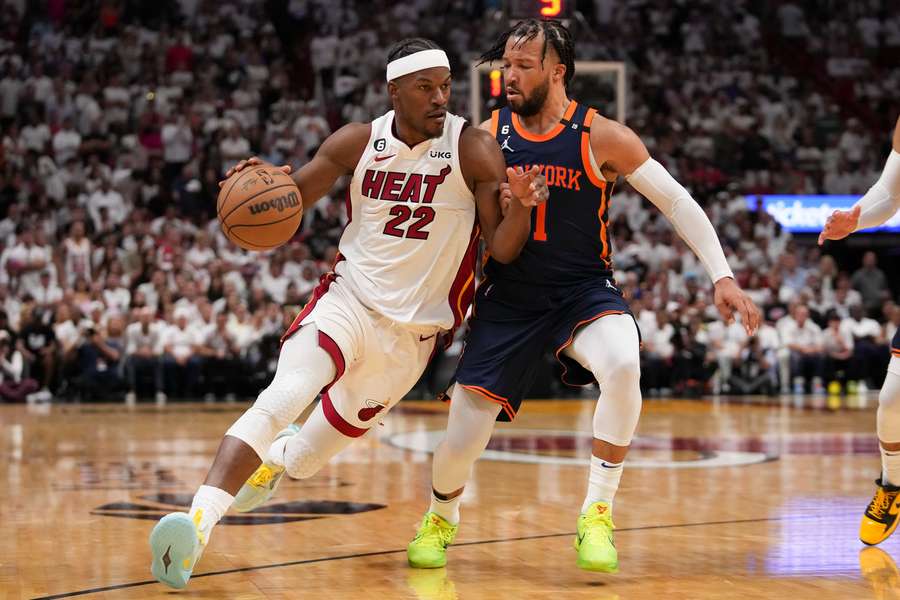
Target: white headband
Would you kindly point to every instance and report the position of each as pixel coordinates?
(424, 59)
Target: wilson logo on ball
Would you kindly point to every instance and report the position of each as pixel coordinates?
(280, 203)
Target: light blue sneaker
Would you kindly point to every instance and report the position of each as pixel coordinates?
(176, 544)
(262, 484)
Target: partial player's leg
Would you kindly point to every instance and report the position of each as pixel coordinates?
(881, 517)
(610, 349)
(469, 428)
(301, 452)
(304, 368)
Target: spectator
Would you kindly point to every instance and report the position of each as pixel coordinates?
(181, 363)
(99, 360)
(222, 364)
(143, 355)
(233, 148)
(871, 283)
(754, 373)
(274, 282)
(837, 342)
(77, 254)
(178, 142)
(803, 340)
(66, 142)
(37, 343)
(869, 349)
(13, 386)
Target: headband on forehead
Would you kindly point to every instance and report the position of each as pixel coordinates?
(425, 59)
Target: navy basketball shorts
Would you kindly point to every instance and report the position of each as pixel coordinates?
(895, 344)
(511, 327)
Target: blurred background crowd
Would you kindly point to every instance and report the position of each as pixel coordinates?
(119, 117)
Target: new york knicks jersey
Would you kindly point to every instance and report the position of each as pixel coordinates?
(569, 243)
(410, 247)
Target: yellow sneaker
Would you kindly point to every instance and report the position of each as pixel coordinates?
(428, 550)
(594, 540)
(880, 519)
(261, 485)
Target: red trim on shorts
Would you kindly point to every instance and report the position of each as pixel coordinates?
(334, 351)
(324, 283)
(572, 338)
(337, 421)
(895, 352)
(491, 396)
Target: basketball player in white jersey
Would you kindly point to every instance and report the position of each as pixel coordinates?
(879, 204)
(423, 186)
(578, 312)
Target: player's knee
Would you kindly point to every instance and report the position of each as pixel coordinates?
(275, 408)
(302, 460)
(279, 402)
(461, 448)
(622, 370)
(889, 396)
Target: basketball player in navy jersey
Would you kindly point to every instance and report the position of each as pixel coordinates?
(879, 204)
(559, 293)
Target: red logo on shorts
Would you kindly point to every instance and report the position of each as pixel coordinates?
(372, 408)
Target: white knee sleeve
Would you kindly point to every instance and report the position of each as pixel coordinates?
(303, 370)
(888, 421)
(469, 429)
(610, 348)
(317, 442)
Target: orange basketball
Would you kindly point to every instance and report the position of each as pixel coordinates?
(259, 207)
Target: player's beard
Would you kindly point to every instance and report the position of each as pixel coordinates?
(532, 105)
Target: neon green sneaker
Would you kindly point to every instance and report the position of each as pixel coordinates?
(428, 550)
(176, 544)
(594, 541)
(261, 485)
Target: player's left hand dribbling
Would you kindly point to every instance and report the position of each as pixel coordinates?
(730, 298)
(529, 187)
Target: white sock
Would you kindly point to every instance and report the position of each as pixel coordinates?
(602, 483)
(214, 503)
(890, 467)
(448, 509)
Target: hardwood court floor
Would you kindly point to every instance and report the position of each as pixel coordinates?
(719, 500)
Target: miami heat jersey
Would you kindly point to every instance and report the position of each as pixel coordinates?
(410, 246)
(569, 243)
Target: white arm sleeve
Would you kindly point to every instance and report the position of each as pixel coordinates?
(883, 199)
(653, 181)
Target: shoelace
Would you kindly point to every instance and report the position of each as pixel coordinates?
(593, 520)
(880, 504)
(262, 476)
(434, 534)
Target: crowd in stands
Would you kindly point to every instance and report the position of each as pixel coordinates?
(118, 119)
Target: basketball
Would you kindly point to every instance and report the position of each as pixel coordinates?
(259, 207)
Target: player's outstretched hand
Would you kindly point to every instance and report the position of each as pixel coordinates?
(729, 298)
(249, 163)
(530, 187)
(840, 224)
